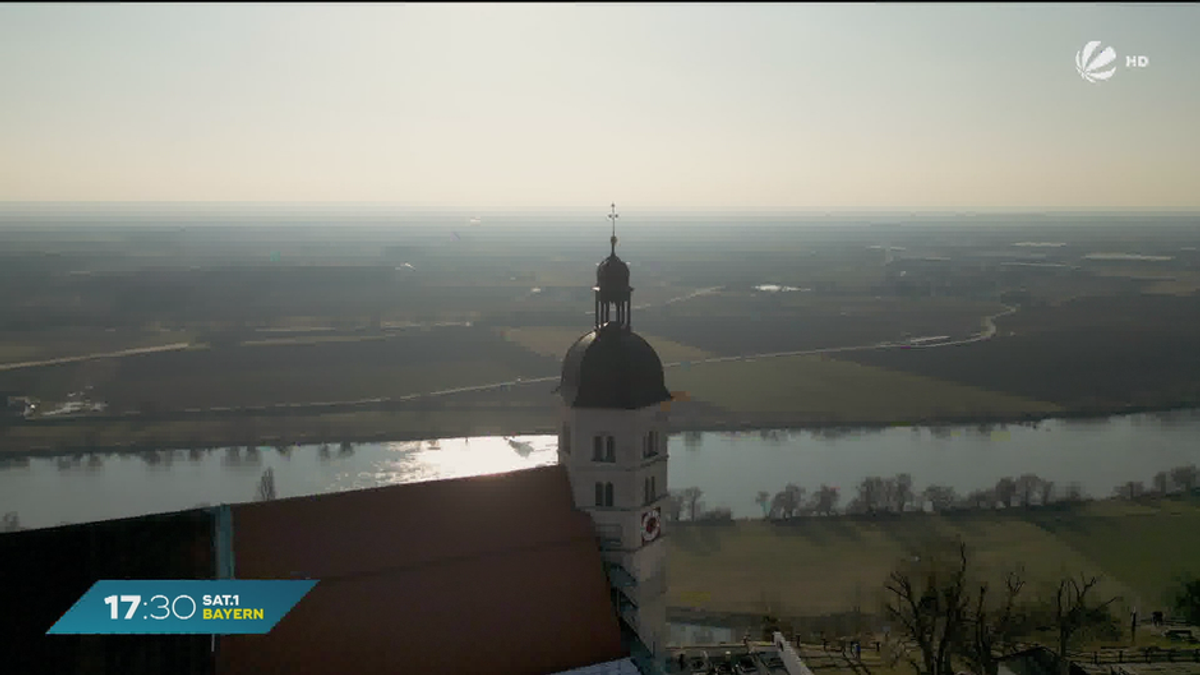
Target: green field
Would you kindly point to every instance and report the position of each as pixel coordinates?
(821, 566)
(815, 388)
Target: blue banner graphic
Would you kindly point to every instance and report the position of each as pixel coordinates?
(194, 607)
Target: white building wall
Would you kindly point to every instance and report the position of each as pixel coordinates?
(646, 562)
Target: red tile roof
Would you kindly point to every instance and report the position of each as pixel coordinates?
(491, 574)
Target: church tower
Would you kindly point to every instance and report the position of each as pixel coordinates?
(613, 444)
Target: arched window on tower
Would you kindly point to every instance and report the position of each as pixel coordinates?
(650, 443)
(608, 494)
(599, 494)
(604, 449)
(650, 490)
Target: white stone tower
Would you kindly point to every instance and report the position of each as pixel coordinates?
(613, 442)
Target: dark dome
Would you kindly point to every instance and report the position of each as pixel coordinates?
(612, 368)
(612, 274)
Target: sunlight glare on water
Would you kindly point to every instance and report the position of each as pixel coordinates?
(417, 461)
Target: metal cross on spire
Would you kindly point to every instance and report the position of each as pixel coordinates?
(613, 217)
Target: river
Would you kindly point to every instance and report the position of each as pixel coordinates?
(731, 468)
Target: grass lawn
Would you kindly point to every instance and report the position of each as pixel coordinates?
(1147, 544)
(823, 566)
(831, 389)
(828, 565)
(554, 341)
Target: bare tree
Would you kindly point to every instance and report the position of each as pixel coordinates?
(871, 493)
(980, 499)
(887, 494)
(927, 597)
(940, 497)
(266, 486)
(902, 494)
(11, 522)
(1027, 486)
(992, 629)
(1130, 490)
(1185, 477)
(1046, 490)
(1162, 483)
(1006, 491)
(762, 500)
(825, 500)
(673, 507)
(787, 502)
(1074, 615)
(691, 501)
(1074, 493)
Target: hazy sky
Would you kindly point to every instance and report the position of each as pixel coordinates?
(692, 107)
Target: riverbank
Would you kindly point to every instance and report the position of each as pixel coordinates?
(85, 435)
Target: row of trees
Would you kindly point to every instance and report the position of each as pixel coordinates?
(688, 503)
(1181, 478)
(897, 494)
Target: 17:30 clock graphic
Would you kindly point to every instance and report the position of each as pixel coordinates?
(152, 607)
(185, 606)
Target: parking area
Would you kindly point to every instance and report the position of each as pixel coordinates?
(731, 659)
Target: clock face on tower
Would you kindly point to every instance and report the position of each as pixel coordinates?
(651, 525)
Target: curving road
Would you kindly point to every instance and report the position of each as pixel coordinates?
(88, 357)
(989, 331)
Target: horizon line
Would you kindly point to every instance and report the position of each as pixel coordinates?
(517, 210)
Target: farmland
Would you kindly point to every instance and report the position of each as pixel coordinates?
(379, 309)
